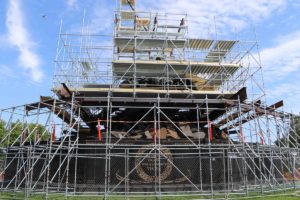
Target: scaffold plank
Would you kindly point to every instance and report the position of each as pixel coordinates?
(145, 90)
(129, 32)
(219, 51)
(158, 67)
(224, 45)
(142, 21)
(126, 2)
(127, 15)
(128, 43)
(200, 44)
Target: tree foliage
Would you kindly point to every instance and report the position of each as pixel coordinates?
(297, 126)
(291, 139)
(2, 128)
(18, 132)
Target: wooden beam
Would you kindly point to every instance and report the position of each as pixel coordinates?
(241, 94)
(275, 105)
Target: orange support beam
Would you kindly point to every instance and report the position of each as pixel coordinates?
(99, 131)
(262, 139)
(23, 135)
(53, 138)
(155, 135)
(241, 134)
(210, 131)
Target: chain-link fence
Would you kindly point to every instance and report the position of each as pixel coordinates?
(147, 169)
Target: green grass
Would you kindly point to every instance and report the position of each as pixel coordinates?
(277, 196)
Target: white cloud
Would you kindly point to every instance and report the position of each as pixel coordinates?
(72, 4)
(289, 92)
(98, 18)
(282, 59)
(19, 37)
(281, 64)
(101, 21)
(230, 15)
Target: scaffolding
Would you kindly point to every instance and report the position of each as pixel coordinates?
(155, 114)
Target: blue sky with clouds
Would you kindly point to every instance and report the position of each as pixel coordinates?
(29, 32)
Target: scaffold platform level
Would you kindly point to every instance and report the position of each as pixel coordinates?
(129, 32)
(126, 2)
(121, 67)
(201, 44)
(124, 43)
(144, 92)
(219, 50)
(127, 14)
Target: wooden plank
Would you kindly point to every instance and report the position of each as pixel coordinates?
(64, 91)
(182, 63)
(144, 90)
(219, 51)
(241, 94)
(275, 105)
(200, 44)
(128, 2)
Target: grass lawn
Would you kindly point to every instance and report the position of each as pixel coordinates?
(19, 196)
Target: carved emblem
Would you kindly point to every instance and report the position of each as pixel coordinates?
(148, 168)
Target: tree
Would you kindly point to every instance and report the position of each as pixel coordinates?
(18, 132)
(2, 128)
(2, 132)
(293, 138)
(297, 125)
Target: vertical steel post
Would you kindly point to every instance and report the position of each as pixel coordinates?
(209, 148)
(48, 160)
(159, 148)
(76, 153)
(69, 144)
(199, 147)
(107, 149)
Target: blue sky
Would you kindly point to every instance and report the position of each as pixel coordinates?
(28, 40)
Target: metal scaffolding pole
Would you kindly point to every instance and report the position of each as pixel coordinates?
(181, 116)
